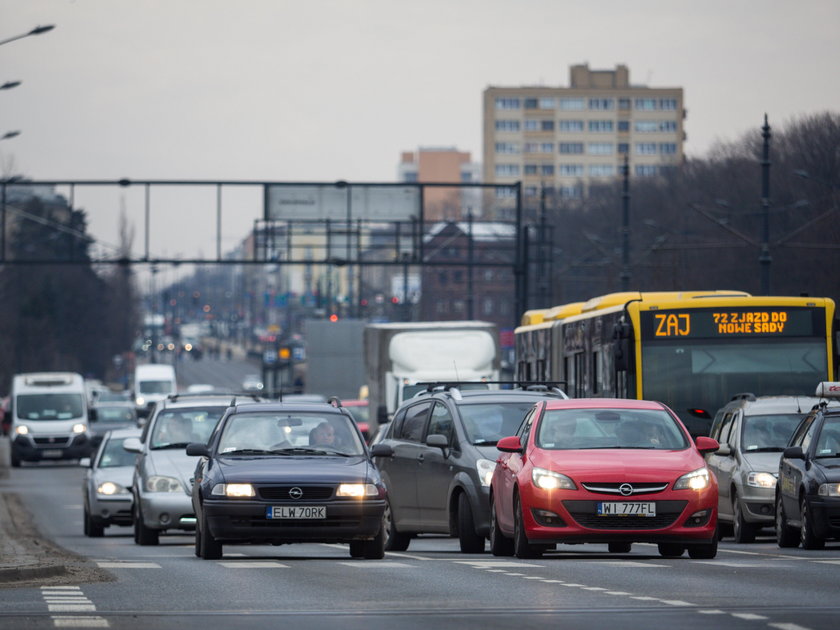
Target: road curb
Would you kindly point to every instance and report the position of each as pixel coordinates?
(23, 574)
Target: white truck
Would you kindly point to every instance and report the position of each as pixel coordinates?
(152, 382)
(49, 417)
(400, 355)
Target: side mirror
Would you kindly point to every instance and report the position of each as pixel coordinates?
(724, 450)
(706, 444)
(85, 462)
(510, 444)
(436, 440)
(381, 450)
(197, 449)
(794, 452)
(133, 445)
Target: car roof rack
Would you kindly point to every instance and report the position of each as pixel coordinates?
(334, 401)
(550, 387)
(235, 395)
(744, 396)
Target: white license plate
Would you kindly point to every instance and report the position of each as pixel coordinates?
(296, 511)
(626, 508)
(52, 452)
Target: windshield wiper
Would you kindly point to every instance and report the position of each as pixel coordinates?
(170, 445)
(247, 451)
(485, 442)
(766, 449)
(295, 450)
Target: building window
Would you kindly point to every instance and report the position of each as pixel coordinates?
(466, 177)
(530, 191)
(530, 103)
(571, 170)
(442, 278)
(531, 147)
(570, 192)
(442, 307)
(505, 192)
(572, 104)
(667, 125)
(623, 147)
(600, 126)
(646, 126)
(602, 170)
(488, 275)
(547, 103)
(507, 125)
(547, 169)
(624, 125)
(507, 170)
(645, 148)
(532, 125)
(571, 126)
(645, 170)
(668, 104)
(668, 148)
(571, 147)
(601, 104)
(507, 147)
(600, 148)
(646, 104)
(547, 125)
(624, 103)
(458, 306)
(410, 177)
(530, 169)
(547, 147)
(507, 103)
(487, 306)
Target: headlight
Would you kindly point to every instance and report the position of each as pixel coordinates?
(550, 480)
(485, 468)
(109, 489)
(761, 480)
(829, 490)
(358, 490)
(22, 429)
(159, 483)
(79, 428)
(140, 401)
(233, 490)
(695, 480)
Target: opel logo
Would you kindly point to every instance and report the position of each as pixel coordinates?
(295, 493)
(625, 489)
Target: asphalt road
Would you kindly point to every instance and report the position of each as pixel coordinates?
(432, 585)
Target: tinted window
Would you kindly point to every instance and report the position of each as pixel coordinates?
(609, 428)
(799, 434)
(115, 455)
(181, 426)
(828, 444)
(415, 421)
(487, 423)
(441, 421)
(768, 432)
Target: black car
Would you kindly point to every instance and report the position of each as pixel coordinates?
(444, 454)
(808, 489)
(275, 473)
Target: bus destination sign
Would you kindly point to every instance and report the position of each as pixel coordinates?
(732, 322)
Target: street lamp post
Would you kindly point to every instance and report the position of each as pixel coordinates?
(764, 258)
(625, 225)
(35, 31)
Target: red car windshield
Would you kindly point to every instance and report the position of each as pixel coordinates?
(564, 429)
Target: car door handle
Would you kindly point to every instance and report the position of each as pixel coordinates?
(421, 457)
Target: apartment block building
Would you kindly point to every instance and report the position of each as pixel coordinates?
(568, 138)
(443, 165)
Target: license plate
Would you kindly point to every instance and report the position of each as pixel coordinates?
(50, 452)
(296, 512)
(623, 508)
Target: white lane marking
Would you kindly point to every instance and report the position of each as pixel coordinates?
(787, 626)
(556, 581)
(634, 564)
(71, 607)
(378, 565)
(676, 602)
(532, 577)
(617, 593)
(508, 564)
(749, 616)
(244, 564)
(827, 561)
(128, 565)
(80, 622)
(741, 565)
(593, 588)
(714, 611)
(400, 554)
(645, 598)
(73, 507)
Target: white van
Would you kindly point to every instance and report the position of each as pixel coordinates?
(49, 417)
(152, 382)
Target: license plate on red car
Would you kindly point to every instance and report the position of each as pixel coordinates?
(303, 512)
(626, 508)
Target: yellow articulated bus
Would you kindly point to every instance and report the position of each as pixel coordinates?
(692, 350)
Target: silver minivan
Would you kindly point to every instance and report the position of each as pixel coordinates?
(752, 432)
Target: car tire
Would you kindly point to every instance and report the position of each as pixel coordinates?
(706, 551)
(357, 549)
(469, 541)
(619, 547)
(374, 549)
(742, 531)
(500, 545)
(208, 547)
(786, 536)
(91, 527)
(670, 550)
(197, 541)
(521, 547)
(807, 538)
(144, 535)
(394, 540)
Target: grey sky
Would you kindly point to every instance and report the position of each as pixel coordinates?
(321, 90)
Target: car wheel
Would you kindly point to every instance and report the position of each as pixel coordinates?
(807, 538)
(197, 541)
(742, 531)
(500, 545)
(671, 550)
(705, 551)
(619, 547)
(15, 461)
(786, 536)
(91, 527)
(356, 548)
(144, 535)
(394, 540)
(208, 547)
(374, 549)
(521, 547)
(470, 541)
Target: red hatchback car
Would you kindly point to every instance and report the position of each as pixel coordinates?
(600, 470)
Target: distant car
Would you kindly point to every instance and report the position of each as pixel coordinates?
(601, 470)
(101, 396)
(109, 416)
(252, 383)
(808, 491)
(752, 432)
(285, 473)
(162, 476)
(200, 388)
(106, 487)
(444, 451)
(359, 409)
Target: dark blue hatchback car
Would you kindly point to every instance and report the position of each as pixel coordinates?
(276, 473)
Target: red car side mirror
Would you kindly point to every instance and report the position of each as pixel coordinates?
(510, 444)
(706, 444)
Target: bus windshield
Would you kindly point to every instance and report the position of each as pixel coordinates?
(704, 374)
